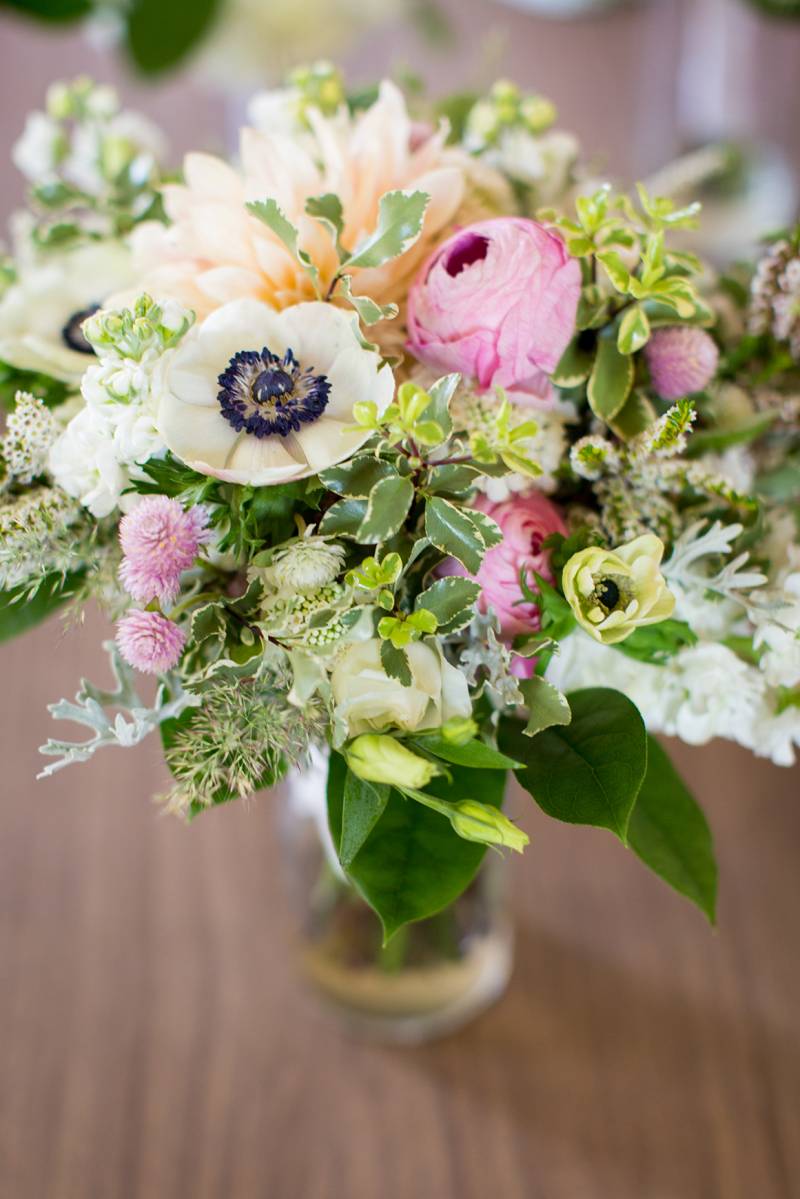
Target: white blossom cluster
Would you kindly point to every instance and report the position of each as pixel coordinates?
(116, 430)
(31, 430)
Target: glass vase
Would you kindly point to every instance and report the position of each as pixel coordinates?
(433, 977)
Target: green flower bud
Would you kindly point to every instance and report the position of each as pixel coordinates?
(487, 825)
(378, 758)
(459, 730)
(613, 592)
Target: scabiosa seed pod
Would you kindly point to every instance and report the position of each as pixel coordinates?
(682, 359)
(159, 541)
(149, 641)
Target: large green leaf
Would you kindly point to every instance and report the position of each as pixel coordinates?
(160, 35)
(362, 808)
(669, 832)
(18, 614)
(610, 381)
(589, 771)
(400, 216)
(412, 864)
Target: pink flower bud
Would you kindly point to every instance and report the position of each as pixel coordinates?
(149, 642)
(497, 303)
(682, 359)
(159, 541)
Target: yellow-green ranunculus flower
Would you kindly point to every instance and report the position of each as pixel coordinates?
(378, 758)
(613, 592)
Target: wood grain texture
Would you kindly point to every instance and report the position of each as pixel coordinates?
(156, 1042)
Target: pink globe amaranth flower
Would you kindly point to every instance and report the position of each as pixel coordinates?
(159, 541)
(149, 641)
(525, 522)
(682, 359)
(497, 303)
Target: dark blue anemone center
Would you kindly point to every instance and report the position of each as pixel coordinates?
(263, 394)
(72, 333)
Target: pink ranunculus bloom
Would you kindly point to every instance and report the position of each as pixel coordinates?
(525, 521)
(497, 303)
(149, 641)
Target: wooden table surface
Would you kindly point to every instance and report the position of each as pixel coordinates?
(156, 1043)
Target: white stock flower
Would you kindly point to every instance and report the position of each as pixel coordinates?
(581, 661)
(368, 700)
(38, 150)
(780, 657)
(718, 695)
(41, 312)
(118, 392)
(83, 462)
(542, 162)
(257, 396)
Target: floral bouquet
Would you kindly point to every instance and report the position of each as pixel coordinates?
(402, 440)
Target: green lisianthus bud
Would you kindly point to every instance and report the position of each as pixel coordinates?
(459, 730)
(487, 825)
(379, 758)
(613, 592)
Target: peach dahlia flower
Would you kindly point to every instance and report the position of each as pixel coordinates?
(215, 251)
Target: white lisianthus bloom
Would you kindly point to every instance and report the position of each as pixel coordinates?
(42, 311)
(83, 462)
(257, 396)
(368, 700)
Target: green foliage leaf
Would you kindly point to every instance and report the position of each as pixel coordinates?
(452, 531)
(610, 381)
(545, 703)
(344, 518)
(487, 529)
(475, 754)
(400, 217)
(328, 210)
(53, 10)
(362, 807)
(452, 479)
(637, 415)
(669, 832)
(368, 310)
(634, 330)
(19, 612)
(590, 771)
(452, 601)
(275, 219)
(159, 36)
(441, 394)
(358, 476)
(394, 661)
(575, 365)
(657, 643)
(387, 508)
(413, 864)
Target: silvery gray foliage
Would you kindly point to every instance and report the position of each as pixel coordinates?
(698, 542)
(93, 707)
(486, 659)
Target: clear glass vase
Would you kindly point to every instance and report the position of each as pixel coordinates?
(433, 977)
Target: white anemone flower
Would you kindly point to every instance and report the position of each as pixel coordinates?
(42, 311)
(256, 396)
